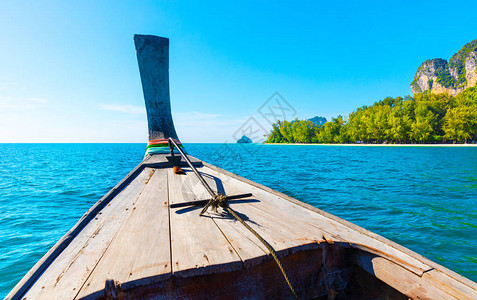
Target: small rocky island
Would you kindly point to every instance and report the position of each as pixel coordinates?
(318, 120)
(244, 140)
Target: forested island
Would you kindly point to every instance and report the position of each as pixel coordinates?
(423, 118)
(443, 109)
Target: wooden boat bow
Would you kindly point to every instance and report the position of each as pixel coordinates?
(143, 240)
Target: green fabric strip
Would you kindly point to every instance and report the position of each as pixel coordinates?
(161, 149)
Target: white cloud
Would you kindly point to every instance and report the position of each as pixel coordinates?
(204, 119)
(128, 109)
(7, 86)
(197, 127)
(36, 100)
(21, 102)
(191, 126)
(199, 115)
(13, 97)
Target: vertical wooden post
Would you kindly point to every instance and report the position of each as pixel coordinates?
(153, 59)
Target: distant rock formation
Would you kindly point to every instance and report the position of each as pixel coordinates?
(439, 76)
(244, 140)
(318, 120)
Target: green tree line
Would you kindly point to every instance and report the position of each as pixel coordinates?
(424, 118)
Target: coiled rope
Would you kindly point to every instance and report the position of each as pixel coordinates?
(219, 200)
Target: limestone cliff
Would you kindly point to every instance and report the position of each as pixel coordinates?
(439, 76)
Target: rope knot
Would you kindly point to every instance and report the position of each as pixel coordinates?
(219, 201)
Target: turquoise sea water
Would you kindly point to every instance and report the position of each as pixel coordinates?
(421, 197)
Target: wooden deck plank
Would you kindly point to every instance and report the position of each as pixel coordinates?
(283, 223)
(64, 278)
(294, 214)
(276, 231)
(160, 161)
(247, 246)
(140, 253)
(449, 285)
(193, 191)
(198, 246)
(399, 278)
(251, 251)
(216, 242)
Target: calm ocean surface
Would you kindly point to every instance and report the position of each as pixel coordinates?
(421, 197)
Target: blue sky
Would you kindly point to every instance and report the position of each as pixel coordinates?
(68, 71)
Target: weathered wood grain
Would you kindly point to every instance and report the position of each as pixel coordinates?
(191, 191)
(153, 59)
(399, 278)
(249, 248)
(139, 253)
(392, 262)
(64, 278)
(132, 235)
(292, 213)
(217, 243)
(37, 270)
(280, 228)
(449, 285)
(262, 281)
(198, 245)
(160, 161)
